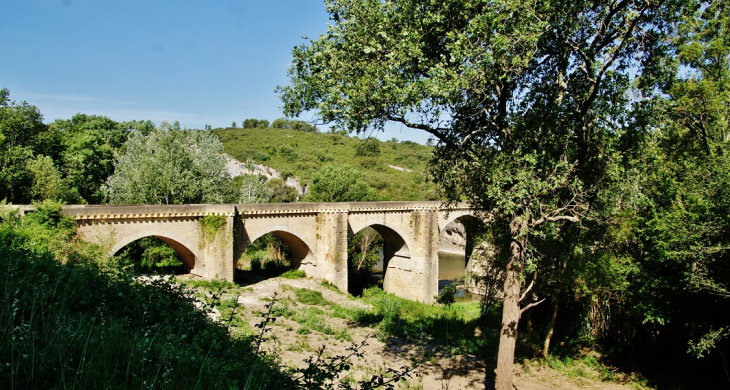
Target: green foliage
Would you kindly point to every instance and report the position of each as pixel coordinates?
(447, 295)
(314, 149)
(170, 166)
(89, 145)
(310, 297)
(362, 255)
(150, 254)
(255, 123)
(296, 125)
(47, 181)
(370, 147)
(339, 183)
(269, 254)
(127, 334)
(453, 325)
(252, 189)
(532, 104)
(261, 156)
(293, 274)
(23, 138)
(279, 192)
(211, 226)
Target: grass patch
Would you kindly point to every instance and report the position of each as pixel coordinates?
(330, 286)
(590, 366)
(310, 297)
(452, 325)
(293, 274)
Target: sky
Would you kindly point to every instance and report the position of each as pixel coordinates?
(199, 62)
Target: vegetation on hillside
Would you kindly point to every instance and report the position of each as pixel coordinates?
(302, 153)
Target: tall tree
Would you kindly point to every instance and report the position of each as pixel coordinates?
(23, 138)
(529, 102)
(88, 144)
(171, 166)
(339, 183)
(686, 228)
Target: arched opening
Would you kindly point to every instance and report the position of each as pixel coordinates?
(157, 255)
(270, 255)
(458, 270)
(370, 252)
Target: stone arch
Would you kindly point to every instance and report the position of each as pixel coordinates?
(390, 229)
(396, 251)
(301, 251)
(188, 255)
(454, 215)
(469, 224)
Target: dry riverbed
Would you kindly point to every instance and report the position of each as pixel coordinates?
(293, 338)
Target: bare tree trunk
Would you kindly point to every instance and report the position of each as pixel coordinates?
(550, 332)
(555, 311)
(510, 309)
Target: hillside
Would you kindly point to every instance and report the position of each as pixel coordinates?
(297, 153)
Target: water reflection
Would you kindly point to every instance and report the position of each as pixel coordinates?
(451, 266)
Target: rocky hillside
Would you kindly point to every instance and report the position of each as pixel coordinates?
(397, 170)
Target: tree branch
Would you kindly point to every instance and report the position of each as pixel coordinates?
(527, 290)
(524, 309)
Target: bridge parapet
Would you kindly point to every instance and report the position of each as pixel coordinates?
(82, 212)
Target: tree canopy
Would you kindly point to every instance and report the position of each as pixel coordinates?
(339, 183)
(534, 105)
(170, 166)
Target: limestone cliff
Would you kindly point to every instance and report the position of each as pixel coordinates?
(237, 168)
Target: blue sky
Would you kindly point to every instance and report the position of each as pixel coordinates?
(195, 61)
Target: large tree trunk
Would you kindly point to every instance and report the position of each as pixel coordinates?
(510, 309)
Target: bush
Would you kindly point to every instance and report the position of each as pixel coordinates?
(255, 123)
(68, 321)
(261, 156)
(294, 274)
(297, 125)
(369, 147)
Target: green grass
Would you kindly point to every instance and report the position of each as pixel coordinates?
(70, 319)
(293, 274)
(454, 325)
(295, 153)
(310, 297)
(590, 366)
(213, 285)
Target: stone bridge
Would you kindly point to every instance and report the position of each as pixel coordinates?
(316, 234)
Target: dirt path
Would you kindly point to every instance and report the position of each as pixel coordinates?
(437, 368)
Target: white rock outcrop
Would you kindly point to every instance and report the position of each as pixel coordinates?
(237, 168)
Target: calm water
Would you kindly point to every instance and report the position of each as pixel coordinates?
(451, 266)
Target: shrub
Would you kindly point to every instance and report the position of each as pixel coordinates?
(294, 274)
(261, 156)
(79, 325)
(369, 147)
